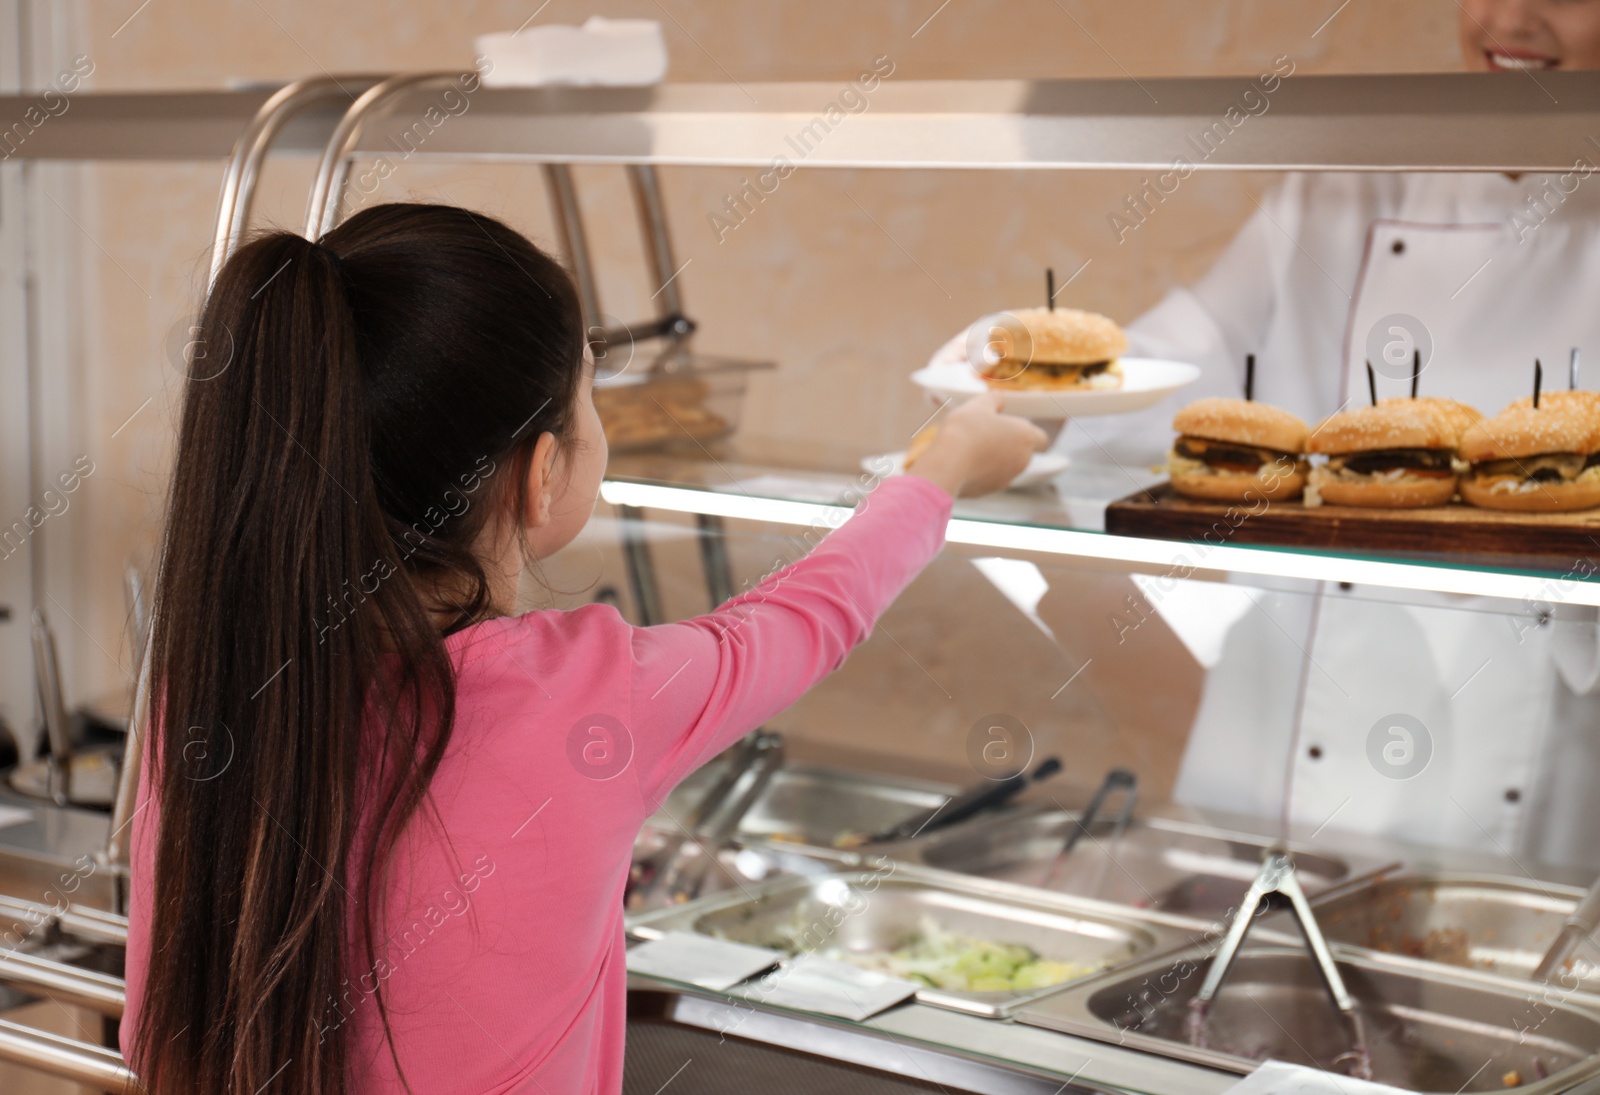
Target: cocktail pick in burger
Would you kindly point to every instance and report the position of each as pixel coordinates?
(1397, 454)
(1053, 349)
(1232, 450)
(1543, 458)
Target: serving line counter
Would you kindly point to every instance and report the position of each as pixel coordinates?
(1437, 947)
(1049, 1040)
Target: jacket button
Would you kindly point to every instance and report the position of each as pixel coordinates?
(1513, 795)
(1398, 247)
(1315, 752)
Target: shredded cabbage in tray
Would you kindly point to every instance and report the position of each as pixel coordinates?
(944, 959)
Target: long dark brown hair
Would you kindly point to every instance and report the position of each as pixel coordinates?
(356, 410)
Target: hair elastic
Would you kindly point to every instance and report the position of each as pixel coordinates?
(333, 257)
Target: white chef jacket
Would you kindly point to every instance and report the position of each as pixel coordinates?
(1508, 727)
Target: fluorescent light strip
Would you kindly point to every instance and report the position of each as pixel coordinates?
(1265, 562)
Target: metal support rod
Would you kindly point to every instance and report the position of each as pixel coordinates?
(250, 151)
(657, 241)
(94, 925)
(77, 921)
(58, 728)
(641, 568)
(574, 242)
(67, 984)
(326, 205)
(124, 807)
(100, 1068)
(138, 610)
(714, 558)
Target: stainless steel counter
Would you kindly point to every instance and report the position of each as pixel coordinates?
(937, 1038)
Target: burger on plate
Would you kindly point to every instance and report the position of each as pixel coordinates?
(1053, 349)
(1399, 454)
(1231, 449)
(1544, 459)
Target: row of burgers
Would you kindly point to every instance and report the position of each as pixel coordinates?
(1534, 456)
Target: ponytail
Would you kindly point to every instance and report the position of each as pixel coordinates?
(344, 383)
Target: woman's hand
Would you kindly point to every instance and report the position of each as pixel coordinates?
(976, 449)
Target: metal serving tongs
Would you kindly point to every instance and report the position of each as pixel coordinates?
(670, 875)
(1277, 877)
(1118, 779)
(1580, 924)
(989, 795)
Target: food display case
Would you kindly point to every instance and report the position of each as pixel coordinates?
(1057, 937)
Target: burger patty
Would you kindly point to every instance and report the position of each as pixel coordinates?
(1423, 462)
(1548, 467)
(1227, 455)
(1054, 369)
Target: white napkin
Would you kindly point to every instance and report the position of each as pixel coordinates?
(1278, 1078)
(601, 53)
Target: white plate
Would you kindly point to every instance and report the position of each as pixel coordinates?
(1145, 382)
(1042, 467)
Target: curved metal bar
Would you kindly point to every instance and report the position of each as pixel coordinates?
(68, 984)
(123, 809)
(100, 1068)
(244, 165)
(333, 173)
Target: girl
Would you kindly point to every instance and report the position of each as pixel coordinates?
(384, 826)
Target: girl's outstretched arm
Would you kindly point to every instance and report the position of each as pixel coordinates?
(701, 684)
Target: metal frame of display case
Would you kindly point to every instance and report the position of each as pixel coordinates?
(1363, 123)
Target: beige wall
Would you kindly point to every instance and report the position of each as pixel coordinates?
(845, 307)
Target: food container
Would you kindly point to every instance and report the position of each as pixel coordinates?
(665, 847)
(1429, 1031)
(1481, 922)
(697, 400)
(1156, 863)
(856, 913)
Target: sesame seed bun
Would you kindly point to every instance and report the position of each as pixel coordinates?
(1557, 425)
(1400, 424)
(1060, 336)
(1460, 416)
(1406, 492)
(1584, 401)
(1242, 422)
(1585, 404)
(1541, 498)
(1269, 481)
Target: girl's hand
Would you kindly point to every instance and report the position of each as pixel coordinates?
(976, 449)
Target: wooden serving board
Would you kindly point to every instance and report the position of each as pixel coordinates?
(1457, 533)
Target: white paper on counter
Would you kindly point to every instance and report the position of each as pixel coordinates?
(1279, 1078)
(14, 815)
(692, 959)
(822, 985)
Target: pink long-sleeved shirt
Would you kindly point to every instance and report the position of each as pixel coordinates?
(503, 966)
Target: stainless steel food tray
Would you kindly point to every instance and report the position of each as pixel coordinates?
(870, 910)
(1428, 1031)
(1487, 923)
(813, 804)
(1157, 863)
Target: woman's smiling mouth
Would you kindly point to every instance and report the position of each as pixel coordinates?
(1518, 61)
